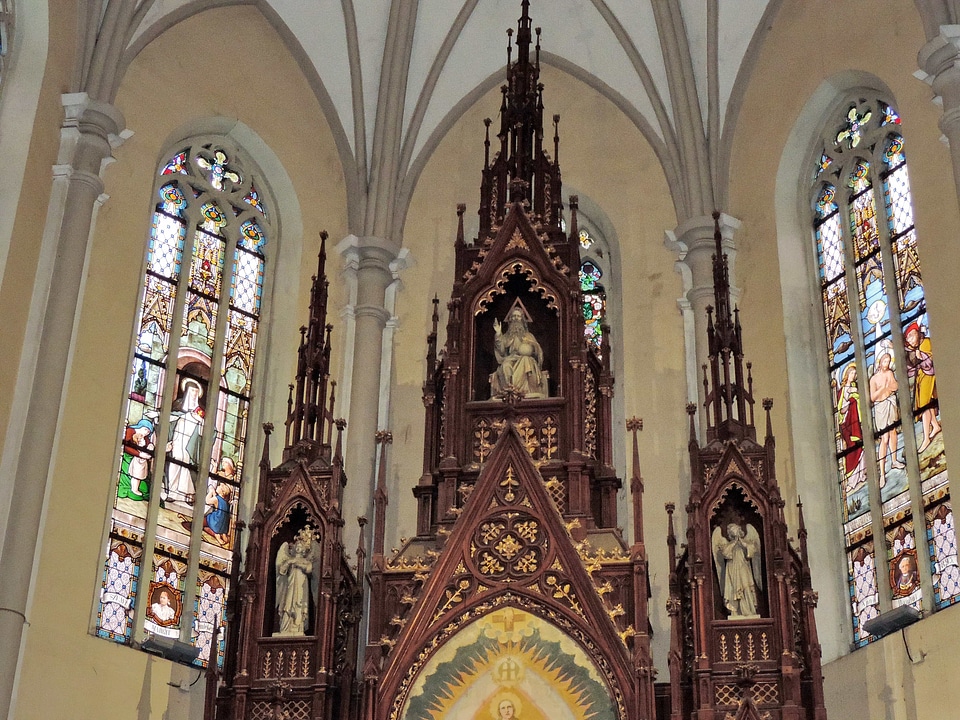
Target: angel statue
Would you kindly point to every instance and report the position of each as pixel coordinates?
(738, 562)
(295, 581)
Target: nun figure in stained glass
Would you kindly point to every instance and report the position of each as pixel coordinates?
(297, 580)
(186, 420)
(738, 563)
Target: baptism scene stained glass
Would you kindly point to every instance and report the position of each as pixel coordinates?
(187, 404)
(881, 367)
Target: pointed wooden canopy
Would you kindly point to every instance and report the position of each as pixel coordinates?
(510, 547)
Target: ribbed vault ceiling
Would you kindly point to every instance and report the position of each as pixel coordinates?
(674, 66)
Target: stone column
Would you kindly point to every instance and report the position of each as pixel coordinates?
(371, 266)
(90, 131)
(939, 62)
(693, 243)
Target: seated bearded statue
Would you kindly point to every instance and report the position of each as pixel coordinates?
(520, 359)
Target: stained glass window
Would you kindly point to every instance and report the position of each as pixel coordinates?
(891, 464)
(594, 301)
(182, 451)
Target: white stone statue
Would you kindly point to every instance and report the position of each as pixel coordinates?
(737, 557)
(295, 571)
(520, 357)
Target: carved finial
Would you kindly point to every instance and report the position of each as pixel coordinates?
(635, 425)
(361, 547)
(380, 500)
(338, 453)
(265, 456)
(767, 406)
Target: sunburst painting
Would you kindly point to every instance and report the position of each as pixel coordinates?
(509, 665)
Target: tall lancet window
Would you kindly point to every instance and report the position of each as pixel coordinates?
(891, 464)
(594, 263)
(594, 295)
(181, 453)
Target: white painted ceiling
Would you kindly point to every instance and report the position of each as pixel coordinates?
(615, 44)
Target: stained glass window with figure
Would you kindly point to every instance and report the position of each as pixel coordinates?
(897, 520)
(181, 455)
(594, 303)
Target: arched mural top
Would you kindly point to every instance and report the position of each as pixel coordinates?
(509, 652)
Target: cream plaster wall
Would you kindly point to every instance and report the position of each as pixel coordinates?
(34, 188)
(169, 90)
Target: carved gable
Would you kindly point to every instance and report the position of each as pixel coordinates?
(509, 553)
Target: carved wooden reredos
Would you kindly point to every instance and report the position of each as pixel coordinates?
(293, 626)
(517, 554)
(744, 641)
(522, 259)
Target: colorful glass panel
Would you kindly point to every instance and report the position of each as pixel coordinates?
(836, 310)
(208, 355)
(118, 591)
(209, 614)
(942, 541)
(890, 116)
(825, 162)
(829, 236)
(252, 198)
(904, 570)
(593, 303)
(586, 242)
(863, 213)
(852, 130)
(864, 592)
(165, 597)
(218, 170)
(177, 165)
(886, 361)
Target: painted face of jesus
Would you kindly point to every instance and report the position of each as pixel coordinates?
(506, 710)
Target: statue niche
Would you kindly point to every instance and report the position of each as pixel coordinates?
(737, 553)
(295, 571)
(516, 345)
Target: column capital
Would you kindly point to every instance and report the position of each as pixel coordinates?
(697, 232)
(693, 244)
(80, 109)
(91, 131)
(939, 54)
(369, 248)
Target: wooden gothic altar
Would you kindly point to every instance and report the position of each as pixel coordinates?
(518, 593)
(518, 596)
(292, 628)
(743, 637)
